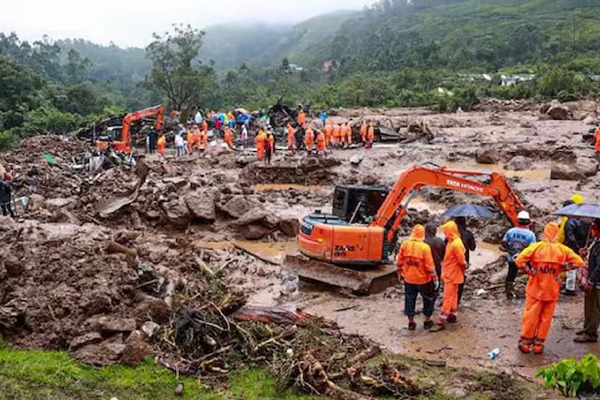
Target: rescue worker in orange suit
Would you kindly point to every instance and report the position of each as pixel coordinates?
(190, 140)
(453, 273)
(301, 118)
(309, 139)
(329, 134)
(597, 140)
(196, 137)
(544, 262)
(348, 134)
(161, 144)
(363, 131)
(417, 269)
(290, 137)
(321, 142)
(205, 127)
(337, 133)
(370, 136)
(261, 136)
(228, 137)
(271, 139)
(343, 135)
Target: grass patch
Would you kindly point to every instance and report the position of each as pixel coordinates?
(49, 375)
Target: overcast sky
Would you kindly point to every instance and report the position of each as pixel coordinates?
(131, 22)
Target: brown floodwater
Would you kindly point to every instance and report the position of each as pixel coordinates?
(537, 174)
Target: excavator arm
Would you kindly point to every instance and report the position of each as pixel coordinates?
(392, 211)
(159, 111)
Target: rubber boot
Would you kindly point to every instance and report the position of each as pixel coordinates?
(510, 290)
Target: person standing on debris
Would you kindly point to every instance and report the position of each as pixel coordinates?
(198, 117)
(470, 245)
(260, 144)
(337, 133)
(161, 144)
(417, 269)
(269, 145)
(197, 136)
(329, 134)
(152, 140)
(514, 242)
(453, 274)
(370, 136)
(218, 126)
(179, 145)
(244, 136)
(190, 141)
(437, 245)
(321, 143)
(590, 283)
(543, 262)
(301, 118)
(6, 195)
(309, 139)
(323, 117)
(348, 134)
(597, 140)
(363, 131)
(271, 138)
(290, 137)
(228, 137)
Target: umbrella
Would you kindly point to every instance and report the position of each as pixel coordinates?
(468, 210)
(580, 210)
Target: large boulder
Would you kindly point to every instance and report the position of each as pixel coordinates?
(566, 172)
(290, 227)
(201, 204)
(177, 212)
(489, 156)
(518, 163)
(237, 206)
(587, 166)
(556, 111)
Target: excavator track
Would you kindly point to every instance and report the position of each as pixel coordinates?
(360, 281)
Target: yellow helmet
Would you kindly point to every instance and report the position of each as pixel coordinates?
(577, 199)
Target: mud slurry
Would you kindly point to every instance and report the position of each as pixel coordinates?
(70, 279)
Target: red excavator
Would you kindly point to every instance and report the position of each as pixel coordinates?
(124, 144)
(351, 247)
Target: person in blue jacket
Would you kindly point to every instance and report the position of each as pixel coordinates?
(515, 240)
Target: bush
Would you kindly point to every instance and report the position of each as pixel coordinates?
(572, 377)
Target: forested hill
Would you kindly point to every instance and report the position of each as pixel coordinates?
(483, 35)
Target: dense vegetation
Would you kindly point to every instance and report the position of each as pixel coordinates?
(394, 53)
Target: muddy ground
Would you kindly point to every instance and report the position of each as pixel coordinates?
(221, 206)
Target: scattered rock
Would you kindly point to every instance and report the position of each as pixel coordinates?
(201, 204)
(254, 232)
(566, 172)
(356, 160)
(556, 111)
(136, 349)
(177, 212)
(289, 227)
(518, 163)
(115, 324)
(150, 328)
(237, 206)
(14, 268)
(490, 156)
(588, 166)
(84, 340)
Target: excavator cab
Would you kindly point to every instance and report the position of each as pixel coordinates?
(358, 204)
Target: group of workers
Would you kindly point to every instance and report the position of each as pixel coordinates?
(425, 260)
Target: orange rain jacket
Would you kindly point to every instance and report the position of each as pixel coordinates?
(363, 131)
(301, 118)
(597, 138)
(371, 133)
(544, 262)
(414, 260)
(309, 138)
(321, 143)
(455, 263)
(290, 136)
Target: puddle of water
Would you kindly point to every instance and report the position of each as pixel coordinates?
(277, 187)
(484, 254)
(529, 174)
(274, 252)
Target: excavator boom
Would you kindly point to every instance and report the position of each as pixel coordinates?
(329, 242)
(124, 143)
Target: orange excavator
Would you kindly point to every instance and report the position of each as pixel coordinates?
(352, 246)
(124, 144)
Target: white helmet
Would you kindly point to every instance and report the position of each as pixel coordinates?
(523, 215)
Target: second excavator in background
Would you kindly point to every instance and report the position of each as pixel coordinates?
(352, 246)
(120, 140)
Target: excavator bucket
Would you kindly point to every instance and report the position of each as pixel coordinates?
(375, 279)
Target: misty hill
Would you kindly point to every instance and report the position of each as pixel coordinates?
(266, 45)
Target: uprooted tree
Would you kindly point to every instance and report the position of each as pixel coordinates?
(176, 71)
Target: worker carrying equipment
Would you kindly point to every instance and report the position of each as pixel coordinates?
(417, 269)
(543, 261)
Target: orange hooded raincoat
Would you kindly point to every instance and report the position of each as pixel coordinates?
(414, 260)
(453, 270)
(544, 262)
